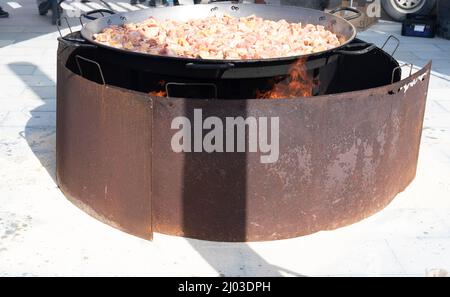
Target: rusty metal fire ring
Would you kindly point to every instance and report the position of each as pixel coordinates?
(341, 159)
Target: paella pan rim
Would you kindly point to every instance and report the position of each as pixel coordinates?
(87, 32)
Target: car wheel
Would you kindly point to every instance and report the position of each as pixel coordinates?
(398, 9)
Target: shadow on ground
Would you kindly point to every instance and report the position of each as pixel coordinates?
(40, 129)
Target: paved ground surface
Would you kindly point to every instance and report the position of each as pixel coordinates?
(41, 233)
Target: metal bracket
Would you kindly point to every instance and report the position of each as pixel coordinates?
(399, 68)
(77, 59)
(59, 29)
(192, 84)
(396, 47)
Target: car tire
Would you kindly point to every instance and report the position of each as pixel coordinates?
(395, 10)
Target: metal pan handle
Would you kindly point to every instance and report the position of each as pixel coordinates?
(348, 49)
(348, 18)
(88, 15)
(76, 42)
(223, 66)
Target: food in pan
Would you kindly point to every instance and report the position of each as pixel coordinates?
(220, 37)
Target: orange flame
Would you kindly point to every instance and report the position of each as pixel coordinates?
(298, 84)
(160, 93)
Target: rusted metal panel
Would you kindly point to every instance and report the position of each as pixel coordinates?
(341, 158)
(104, 151)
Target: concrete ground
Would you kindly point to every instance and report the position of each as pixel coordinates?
(43, 234)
